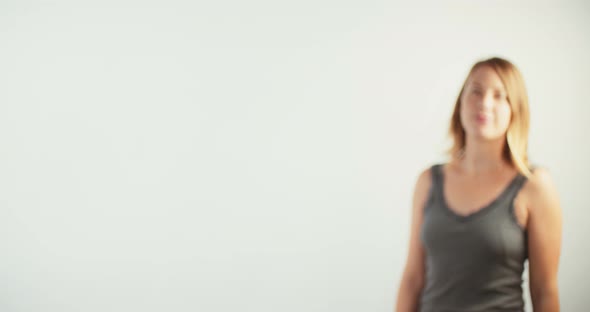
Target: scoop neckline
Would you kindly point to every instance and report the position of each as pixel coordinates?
(483, 209)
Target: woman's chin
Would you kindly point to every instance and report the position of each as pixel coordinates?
(482, 135)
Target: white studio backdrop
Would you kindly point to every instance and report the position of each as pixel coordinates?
(256, 155)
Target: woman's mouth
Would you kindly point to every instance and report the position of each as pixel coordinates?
(482, 118)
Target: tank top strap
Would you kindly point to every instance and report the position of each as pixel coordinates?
(515, 186)
(435, 172)
(518, 183)
(437, 180)
(434, 186)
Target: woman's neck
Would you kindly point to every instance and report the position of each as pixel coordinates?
(481, 157)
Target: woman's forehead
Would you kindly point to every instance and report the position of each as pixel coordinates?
(486, 77)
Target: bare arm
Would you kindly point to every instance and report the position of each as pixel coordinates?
(544, 231)
(412, 280)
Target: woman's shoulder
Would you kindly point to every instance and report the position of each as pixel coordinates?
(427, 171)
(427, 175)
(423, 187)
(540, 179)
(540, 188)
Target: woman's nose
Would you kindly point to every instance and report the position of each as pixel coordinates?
(487, 101)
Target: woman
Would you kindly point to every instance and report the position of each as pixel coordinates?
(478, 217)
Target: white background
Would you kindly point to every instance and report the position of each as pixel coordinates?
(256, 155)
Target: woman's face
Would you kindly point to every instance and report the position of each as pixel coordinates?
(485, 111)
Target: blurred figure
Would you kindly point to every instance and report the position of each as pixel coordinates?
(477, 218)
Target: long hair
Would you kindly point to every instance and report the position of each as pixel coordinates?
(515, 149)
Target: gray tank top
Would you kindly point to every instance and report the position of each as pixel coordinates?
(473, 262)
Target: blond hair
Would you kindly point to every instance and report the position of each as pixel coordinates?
(515, 149)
